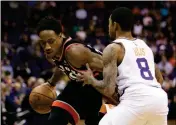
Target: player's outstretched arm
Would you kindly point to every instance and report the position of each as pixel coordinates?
(158, 75)
(55, 77)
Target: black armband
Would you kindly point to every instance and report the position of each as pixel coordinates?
(51, 83)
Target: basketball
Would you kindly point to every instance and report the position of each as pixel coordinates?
(42, 97)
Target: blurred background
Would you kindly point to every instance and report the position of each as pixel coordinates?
(23, 65)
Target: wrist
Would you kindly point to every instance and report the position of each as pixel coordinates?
(91, 81)
(51, 83)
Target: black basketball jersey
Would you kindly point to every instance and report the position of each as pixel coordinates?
(69, 69)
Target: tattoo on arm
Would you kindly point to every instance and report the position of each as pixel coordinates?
(107, 85)
(158, 75)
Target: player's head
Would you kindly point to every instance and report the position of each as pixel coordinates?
(121, 20)
(50, 32)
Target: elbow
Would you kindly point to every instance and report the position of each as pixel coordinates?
(161, 81)
(111, 97)
(109, 91)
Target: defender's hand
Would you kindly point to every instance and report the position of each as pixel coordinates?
(85, 75)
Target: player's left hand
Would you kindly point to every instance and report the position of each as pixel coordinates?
(85, 75)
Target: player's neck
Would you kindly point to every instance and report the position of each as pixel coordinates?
(126, 35)
(59, 52)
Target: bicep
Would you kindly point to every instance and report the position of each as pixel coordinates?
(77, 55)
(83, 55)
(110, 64)
(93, 59)
(110, 68)
(95, 62)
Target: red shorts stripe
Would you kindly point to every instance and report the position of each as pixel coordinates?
(68, 108)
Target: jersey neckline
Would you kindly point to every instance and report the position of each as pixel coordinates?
(127, 38)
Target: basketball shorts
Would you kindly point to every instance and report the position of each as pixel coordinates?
(139, 106)
(82, 102)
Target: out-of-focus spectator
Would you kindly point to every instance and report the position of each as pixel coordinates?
(5, 91)
(165, 67)
(81, 13)
(20, 80)
(7, 67)
(31, 82)
(81, 34)
(8, 79)
(161, 39)
(99, 46)
(34, 38)
(40, 81)
(147, 20)
(13, 102)
(14, 99)
(137, 29)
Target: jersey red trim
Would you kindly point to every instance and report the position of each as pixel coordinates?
(63, 49)
(68, 108)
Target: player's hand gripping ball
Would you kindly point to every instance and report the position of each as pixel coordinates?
(42, 97)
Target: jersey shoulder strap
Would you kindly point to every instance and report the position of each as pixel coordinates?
(71, 42)
(93, 49)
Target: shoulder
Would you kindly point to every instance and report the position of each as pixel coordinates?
(113, 48)
(76, 49)
(77, 53)
(113, 52)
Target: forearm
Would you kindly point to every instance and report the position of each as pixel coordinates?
(97, 84)
(108, 92)
(101, 87)
(55, 77)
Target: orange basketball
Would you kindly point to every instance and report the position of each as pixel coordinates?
(42, 97)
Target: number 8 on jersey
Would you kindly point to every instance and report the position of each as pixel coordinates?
(144, 69)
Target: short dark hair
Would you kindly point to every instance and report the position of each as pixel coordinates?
(124, 17)
(49, 23)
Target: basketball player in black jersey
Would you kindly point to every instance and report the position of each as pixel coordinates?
(70, 57)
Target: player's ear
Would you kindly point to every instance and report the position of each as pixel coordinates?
(61, 35)
(116, 26)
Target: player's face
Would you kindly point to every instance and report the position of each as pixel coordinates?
(50, 42)
(112, 32)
